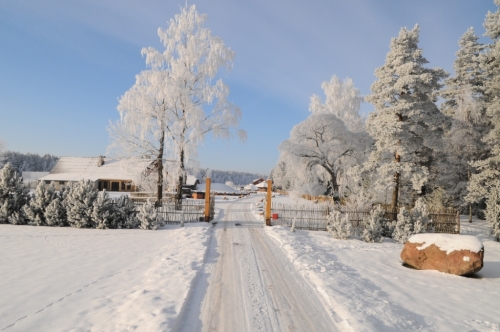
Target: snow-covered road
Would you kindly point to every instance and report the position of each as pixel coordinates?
(248, 284)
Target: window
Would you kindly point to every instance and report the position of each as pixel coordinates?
(61, 183)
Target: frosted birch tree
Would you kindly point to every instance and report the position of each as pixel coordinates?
(406, 122)
(343, 100)
(464, 103)
(489, 168)
(323, 144)
(178, 99)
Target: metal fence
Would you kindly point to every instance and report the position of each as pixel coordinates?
(315, 218)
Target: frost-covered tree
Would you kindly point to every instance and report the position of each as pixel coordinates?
(35, 210)
(492, 212)
(148, 216)
(411, 222)
(464, 104)
(488, 170)
(55, 213)
(406, 122)
(343, 100)
(14, 195)
(373, 225)
(325, 147)
(79, 204)
(177, 100)
(339, 225)
(102, 211)
(124, 211)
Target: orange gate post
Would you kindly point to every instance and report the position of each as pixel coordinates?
(268, 202)
(207, 200)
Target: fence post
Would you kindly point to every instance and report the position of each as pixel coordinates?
(207, 200)
(268, 202)
(458, 221)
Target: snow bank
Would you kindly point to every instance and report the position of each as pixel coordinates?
(61, 278)
(448, 242)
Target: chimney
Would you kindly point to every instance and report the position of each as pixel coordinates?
(100, 161)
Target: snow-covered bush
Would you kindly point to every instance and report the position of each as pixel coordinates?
(13, 196)
(339, 225)
(102, 211)
(55, 213)
(125, 213)
(148, 217)
(79, 204)
(373, 226)
(493, 209)
(411, 222)
(35, 210)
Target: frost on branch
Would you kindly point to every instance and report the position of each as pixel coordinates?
(14, 195)
(339, 225)
(373, 225)
(36, 209)
(148, 216)
(79, 204)
(411, 222)
(493, 209)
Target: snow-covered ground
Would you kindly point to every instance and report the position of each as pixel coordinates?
(65, 279)
(367, 288)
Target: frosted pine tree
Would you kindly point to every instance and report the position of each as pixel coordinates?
(411, 222)
(488, 170)
(125, 213)
(55, 213)
(102, 211)
(464, 103)
(339, 225)
(79, 204)
(148, 216)
(14, 195)
(373, 226)
(406, 122)
(35, 210)
(493, 209)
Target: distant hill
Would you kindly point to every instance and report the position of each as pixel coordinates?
(217, 176)
(28, 162)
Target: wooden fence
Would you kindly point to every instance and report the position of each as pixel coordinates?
(192, 210)
(315, 218)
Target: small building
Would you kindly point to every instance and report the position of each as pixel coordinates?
(262, 186)
(105, 173)
(257, 181)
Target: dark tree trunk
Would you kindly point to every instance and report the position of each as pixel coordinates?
(178, 196)
(395, 191)
(159, 162)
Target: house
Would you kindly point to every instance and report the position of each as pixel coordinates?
(105, 173)
(262, 186)
(257, 181)
(191, 182)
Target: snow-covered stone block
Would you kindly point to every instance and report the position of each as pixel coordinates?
(449, 253)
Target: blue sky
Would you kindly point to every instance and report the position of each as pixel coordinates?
(64, 64)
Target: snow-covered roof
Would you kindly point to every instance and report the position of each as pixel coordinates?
(262, 185)
(32, 176)
(217, 188)
(191, 180)
(251, 187)
(85, 168)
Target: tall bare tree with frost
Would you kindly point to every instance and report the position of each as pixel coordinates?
(321, 148)
(464, 103)
(178, 99)
(406, 122)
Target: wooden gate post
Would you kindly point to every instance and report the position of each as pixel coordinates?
(268, 202)
(207, 200)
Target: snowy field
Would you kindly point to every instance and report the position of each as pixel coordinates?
(65, 279)
(366, 287)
